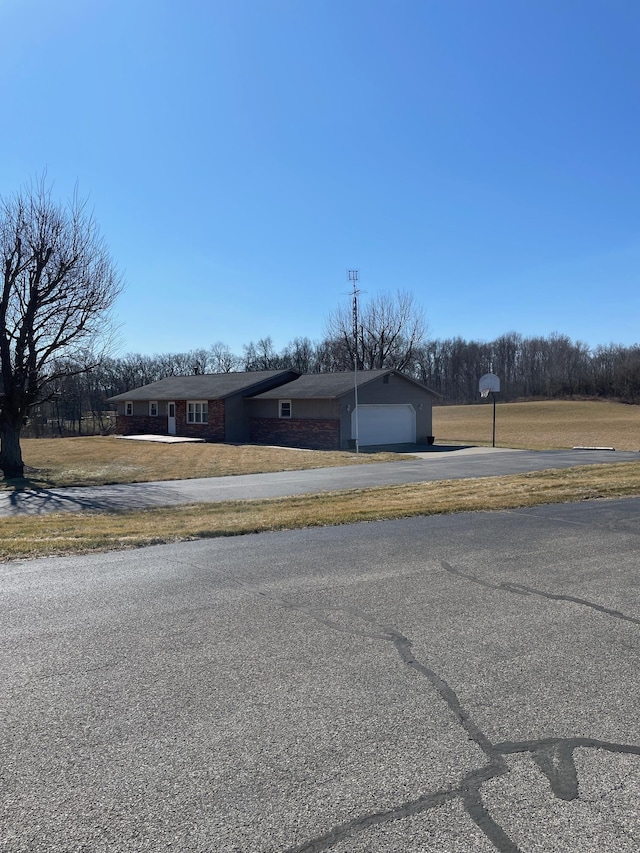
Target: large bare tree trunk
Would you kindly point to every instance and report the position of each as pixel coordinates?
(57, 285)
(10, 451)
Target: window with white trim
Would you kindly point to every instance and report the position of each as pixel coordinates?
(197, 411)
(153, 408)
(285, 408)
(128, 408)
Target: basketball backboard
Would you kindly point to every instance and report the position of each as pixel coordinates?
(489, 382)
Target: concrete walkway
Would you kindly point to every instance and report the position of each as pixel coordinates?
(163, 439)
(426, 466)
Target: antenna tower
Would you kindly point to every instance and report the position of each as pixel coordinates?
(353, 276)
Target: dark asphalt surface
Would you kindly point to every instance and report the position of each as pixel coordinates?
(434, 465)
(461, 684)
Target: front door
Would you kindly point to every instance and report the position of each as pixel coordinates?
(171, 418)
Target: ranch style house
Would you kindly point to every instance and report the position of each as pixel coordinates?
(282, 407)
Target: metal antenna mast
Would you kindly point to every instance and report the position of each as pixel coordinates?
(353, 278)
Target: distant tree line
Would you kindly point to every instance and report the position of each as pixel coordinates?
(548, 367)
(392, 332)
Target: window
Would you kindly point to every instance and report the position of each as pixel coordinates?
(128, 408)
(153, 408)
(285, 408)
(197, 412)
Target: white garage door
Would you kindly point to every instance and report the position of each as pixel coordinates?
(385, 424)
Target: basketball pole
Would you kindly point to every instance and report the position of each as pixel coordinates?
(490, 384)
(494, 418)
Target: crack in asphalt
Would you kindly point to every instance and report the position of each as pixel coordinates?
(523, 589)
(553, 756)
(468, 791)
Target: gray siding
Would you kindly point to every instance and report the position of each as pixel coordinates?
(299, 408)
(141, 408)
(236, 420)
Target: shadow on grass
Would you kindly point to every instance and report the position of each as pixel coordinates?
(36, 479)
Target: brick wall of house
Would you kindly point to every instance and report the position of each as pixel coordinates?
(320, 433)
(141, 425)
(213, 430)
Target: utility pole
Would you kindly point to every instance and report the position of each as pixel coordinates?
(353, 278)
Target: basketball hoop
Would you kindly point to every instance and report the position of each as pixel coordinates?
(490, 384)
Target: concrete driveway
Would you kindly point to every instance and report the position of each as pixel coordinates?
(449, 463)
(460, 684)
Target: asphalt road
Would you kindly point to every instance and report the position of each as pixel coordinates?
(433, 465)
(452, 684)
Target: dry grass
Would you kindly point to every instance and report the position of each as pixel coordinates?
(541, 425)
(83, 532)
(100, 460)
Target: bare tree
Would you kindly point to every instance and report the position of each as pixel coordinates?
(261, 356)
(198, 360)
(222, 360)
(390, 329)
(58, 284)
(301, 354)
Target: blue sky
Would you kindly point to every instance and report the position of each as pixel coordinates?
(241, 155)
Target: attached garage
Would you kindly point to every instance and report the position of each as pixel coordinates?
(318, 410)
(385, 424)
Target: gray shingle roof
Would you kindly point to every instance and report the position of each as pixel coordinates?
(206, 386)
(325, 386)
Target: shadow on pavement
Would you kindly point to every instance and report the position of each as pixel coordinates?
(414, 448)
(36, 501)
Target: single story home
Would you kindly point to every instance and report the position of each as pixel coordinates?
(212, 406)
(314, 410)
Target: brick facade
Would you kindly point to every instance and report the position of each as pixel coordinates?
(213, 430)
(141, 425)
(316, 433)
